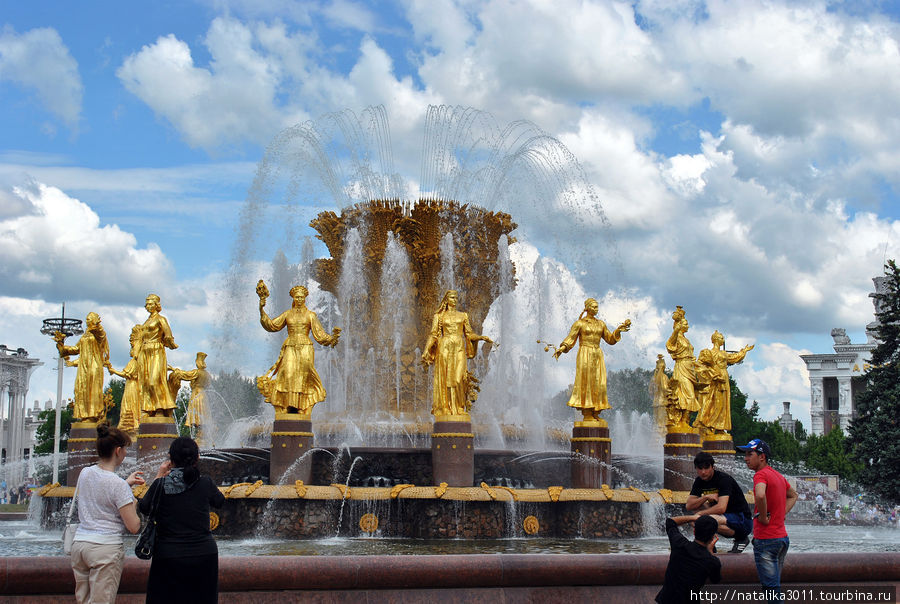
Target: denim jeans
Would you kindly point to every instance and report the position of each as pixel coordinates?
(769, 557)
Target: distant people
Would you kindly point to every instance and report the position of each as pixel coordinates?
(820, 505)
(717, 494)
(774, 498)
(105, 508)
(185, 565)
(691, 563)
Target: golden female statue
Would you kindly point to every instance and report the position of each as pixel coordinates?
(199, 379)
(156, 338)
(715, 412)
(684, 374)
(294, 385)
(93, 355)
(451, 342)
(130, 415)
(589, 392)
(659, 386)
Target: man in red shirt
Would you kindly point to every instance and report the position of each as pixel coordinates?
(774, 498)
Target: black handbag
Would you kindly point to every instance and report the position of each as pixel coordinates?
(143, 547)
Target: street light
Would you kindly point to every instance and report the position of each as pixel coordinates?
(68, 327)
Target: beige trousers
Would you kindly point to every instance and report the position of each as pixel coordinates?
(98, 568)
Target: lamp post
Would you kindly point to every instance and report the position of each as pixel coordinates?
(69, 327)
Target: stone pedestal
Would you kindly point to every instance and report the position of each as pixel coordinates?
(678, 459)
(292, 439)
(155, 435)
(591, 459)
(82, 450)
(719, 446)
(453, 453)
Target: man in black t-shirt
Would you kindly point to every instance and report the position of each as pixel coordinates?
(691, 563)
(717, 494)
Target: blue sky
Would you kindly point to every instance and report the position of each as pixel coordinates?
(745, 153)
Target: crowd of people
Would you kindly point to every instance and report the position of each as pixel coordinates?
(15, 495)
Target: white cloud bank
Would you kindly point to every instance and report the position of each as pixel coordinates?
(58, 250)
(38, 60)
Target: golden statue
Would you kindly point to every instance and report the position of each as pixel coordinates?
(589, 391)
(132, 397)
(685, 376)
(93, 355)
(294, 385)
(451, 342)
(659, 385)
(715, 410)
(157, 337)
(199, 379)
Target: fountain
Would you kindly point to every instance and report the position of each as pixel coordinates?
(368, 459)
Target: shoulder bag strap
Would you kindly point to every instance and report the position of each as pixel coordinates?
(72, 506)
(154, 505)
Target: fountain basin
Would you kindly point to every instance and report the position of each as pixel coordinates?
(408, 511)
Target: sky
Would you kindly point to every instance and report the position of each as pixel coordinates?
(744, 154)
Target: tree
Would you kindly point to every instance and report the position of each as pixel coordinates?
(830, 454)
(43, 436)
(875, 433)
(116, 388)
(743, 421)
(240, 394)
(629, 390)
(785, 447)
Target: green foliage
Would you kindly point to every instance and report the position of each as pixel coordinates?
(44, 434)
(745, 425)
(830, 454)
(785, 446)
(116, 387)
(181, 404)
(800, 431)
(629, 390)
(240, 394)
(743, 421)
(875, 433)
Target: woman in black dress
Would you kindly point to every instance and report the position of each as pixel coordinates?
(185, 566)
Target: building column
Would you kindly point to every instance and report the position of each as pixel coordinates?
(13, 450)
(4, 423)
(845, 402)
(817, 406)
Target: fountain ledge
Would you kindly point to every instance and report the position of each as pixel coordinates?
(481, 493)
(611, 578)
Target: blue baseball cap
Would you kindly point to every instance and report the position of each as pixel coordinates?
(757, 446)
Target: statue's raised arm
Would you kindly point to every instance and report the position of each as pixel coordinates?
(292, 384)
(589, 393)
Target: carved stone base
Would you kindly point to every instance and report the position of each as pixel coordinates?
(292, 439)
(155, 435)
(453, 453)
(678, 460)
(82, 450)
(591, 457)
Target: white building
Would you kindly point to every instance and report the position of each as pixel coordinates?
(17, 422)
(836, 379)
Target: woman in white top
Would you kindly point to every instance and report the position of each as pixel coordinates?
(106, 506)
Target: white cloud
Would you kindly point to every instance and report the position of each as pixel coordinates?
(773, 373)
(38, 60)
(59, 250)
